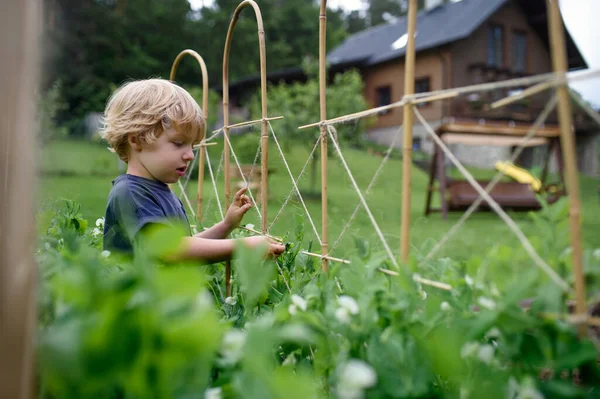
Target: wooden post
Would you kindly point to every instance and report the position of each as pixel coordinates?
(201, 154)
(407, 143)
(559, 60)
(264, 129)
(19, 27)
(323, 130)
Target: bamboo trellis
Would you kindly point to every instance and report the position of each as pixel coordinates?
(558, 81)
(201, 152)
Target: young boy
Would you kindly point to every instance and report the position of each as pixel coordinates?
(152, 125)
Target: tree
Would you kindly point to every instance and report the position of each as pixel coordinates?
(299, 102)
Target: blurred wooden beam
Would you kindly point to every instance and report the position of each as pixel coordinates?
(19, 31)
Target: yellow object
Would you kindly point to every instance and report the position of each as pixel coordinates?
(519, 174)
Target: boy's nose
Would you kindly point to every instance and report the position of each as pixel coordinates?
(188, 155)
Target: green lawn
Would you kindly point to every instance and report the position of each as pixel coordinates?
(83, 171)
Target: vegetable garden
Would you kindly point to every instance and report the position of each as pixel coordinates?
(309, 324)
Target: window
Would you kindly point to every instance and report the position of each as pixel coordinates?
(422, 85)
(519, 51)
(495, 46)
(384, 97)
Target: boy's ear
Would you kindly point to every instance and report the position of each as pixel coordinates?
(134, 142)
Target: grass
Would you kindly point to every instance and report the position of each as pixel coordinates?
(83, 172)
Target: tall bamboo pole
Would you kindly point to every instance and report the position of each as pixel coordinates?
(407, 142)
(19, 33)
(323, 115)
(264, 124)
(559, 60)
(201, 154)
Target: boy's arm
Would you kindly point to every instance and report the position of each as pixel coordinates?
(218, 250)
(218, 231)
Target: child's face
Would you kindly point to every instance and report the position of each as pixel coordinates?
(166, 159)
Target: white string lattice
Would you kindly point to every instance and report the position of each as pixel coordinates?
(214, 182)
(368, 190)
(332, 135)
(294, 182)
(235, 158)
(494, 205)
(538, 123)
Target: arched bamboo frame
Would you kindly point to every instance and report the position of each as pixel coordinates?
(201, 149)
(264, 123)
(323, 129)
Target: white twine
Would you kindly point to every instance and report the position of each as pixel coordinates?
(538, 123)
(187, 200)
(287, 167)
(371, 184)
(244, 180)
(297, 181)
(214, 182)
(494, 205)
(330, 130)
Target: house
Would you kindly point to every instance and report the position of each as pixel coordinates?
(463, 43)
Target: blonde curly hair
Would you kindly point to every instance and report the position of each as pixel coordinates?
(146, 108)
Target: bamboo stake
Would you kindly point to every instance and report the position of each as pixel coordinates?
(254, 122)
(420, 280)
(203, 144)
(530, 91)
(481, 87)
(559, 60)
(280, 240)
(323, 129)
(227, 127)
(201, 161)
(19, 26)
(435, 97)
(326, 257)
(409, 89)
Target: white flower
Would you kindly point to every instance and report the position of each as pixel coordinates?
(486, 353)
(356, 376)
(299, 302)
(468, 280)
(250, 226)
(292, 309)
(96, 231)
(290, 360)
(213, 393)
(469, 349)
(422, 294)
(342, 315)
(230, 300)
(493, 333)
(486, 303)
(100, 222)
(445, 306)
(530, 393)
(233, 343)
(105, 254)
(596, 253)
(348, 303)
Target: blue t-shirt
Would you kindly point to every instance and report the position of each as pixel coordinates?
(134, 202)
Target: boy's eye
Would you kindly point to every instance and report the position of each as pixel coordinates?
(178, 143)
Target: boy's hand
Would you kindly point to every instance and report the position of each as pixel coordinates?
(274, 249)
(238, 208)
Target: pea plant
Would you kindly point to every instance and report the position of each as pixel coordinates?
(118, 327)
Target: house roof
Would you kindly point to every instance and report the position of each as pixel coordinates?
(435, 27)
